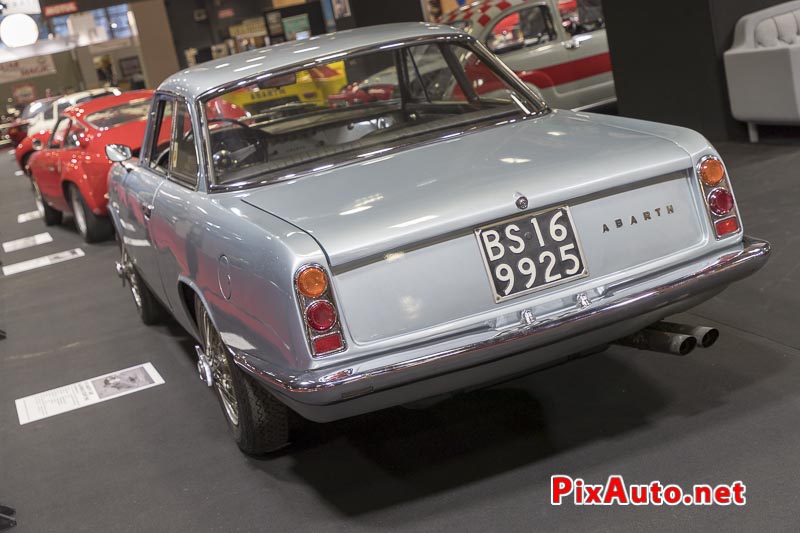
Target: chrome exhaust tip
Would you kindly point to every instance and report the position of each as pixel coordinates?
(705, 336)
(660, 341)
(204, 366)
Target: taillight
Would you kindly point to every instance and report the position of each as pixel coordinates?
(720, 202)
(711, 171)
(318, 308)
(727, 226)
(312, 282)
(328, 343)
(719, 199)
(321, 316)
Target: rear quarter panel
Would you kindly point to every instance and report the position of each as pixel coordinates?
(261, 315)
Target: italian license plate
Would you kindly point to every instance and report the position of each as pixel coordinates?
(531, 252)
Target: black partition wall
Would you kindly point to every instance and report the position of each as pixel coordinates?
(667, 58)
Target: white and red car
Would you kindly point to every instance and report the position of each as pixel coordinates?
(559, 48)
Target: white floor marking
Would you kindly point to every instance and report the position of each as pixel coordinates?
(19, 173)
(39, 262)
(27, 242)
(25, 217)
(87, 392)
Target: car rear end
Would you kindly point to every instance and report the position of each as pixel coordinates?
(495, 263)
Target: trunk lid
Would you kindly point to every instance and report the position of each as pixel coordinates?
(368, 209)
(399, 230)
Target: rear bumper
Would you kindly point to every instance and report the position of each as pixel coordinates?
(385, 380)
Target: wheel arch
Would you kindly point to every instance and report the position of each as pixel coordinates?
(188, 291)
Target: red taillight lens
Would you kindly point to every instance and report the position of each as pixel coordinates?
(328, 343)
(321, 316)
(711, 171)
(720, 201)
(727, 226)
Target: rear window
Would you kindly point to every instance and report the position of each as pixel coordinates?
(121, 114)
(346, 108)
(34, 108)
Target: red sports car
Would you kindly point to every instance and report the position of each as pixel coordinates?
(69, 169)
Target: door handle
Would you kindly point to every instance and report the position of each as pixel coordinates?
(51, 169)
(147, 209)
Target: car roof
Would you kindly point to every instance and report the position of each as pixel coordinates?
(104, 102)
(200, 79)
(482, 12)
(72, 97)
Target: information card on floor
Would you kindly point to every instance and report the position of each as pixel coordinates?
(87, 392)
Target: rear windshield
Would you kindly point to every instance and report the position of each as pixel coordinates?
(121, 114)
(34, 108)
(353, 107)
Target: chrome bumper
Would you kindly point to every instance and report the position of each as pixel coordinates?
(623, 306)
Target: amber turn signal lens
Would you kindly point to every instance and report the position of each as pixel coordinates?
(312, 282)
(712, 172)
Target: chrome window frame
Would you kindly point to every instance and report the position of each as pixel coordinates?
(146, 154)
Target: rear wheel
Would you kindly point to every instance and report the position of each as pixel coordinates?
(92, 228)
(259, 422)
(52, 217)
(24, 164)
(147, 305)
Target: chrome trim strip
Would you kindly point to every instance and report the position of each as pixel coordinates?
(332, 384)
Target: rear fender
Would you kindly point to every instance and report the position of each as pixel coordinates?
(90, 177)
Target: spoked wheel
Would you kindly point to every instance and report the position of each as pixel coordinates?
(147, 305)
(220, 369)
(52, 217)
(259, 422)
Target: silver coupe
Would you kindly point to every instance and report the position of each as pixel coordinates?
(335, 258)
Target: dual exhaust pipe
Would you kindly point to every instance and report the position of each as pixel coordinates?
(672, 338)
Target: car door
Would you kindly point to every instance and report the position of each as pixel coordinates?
(527, 40)
(138, 192)
(46, 166)
(175, 229)
(589, 61)
(566, 70)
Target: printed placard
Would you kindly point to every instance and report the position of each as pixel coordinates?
(87, 392)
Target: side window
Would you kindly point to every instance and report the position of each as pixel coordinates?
(527, 27)
(160, 138)
(183, 156)
(73, 139)
(430, 79)
(59, 134)
(582, 16)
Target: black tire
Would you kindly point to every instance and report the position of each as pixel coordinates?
(24, 164)
(147, 305)
(93, 228)
(261, 422)
(51, 217)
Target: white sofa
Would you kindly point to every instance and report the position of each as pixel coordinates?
(763, 68)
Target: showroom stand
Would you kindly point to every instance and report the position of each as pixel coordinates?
(8, 517)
